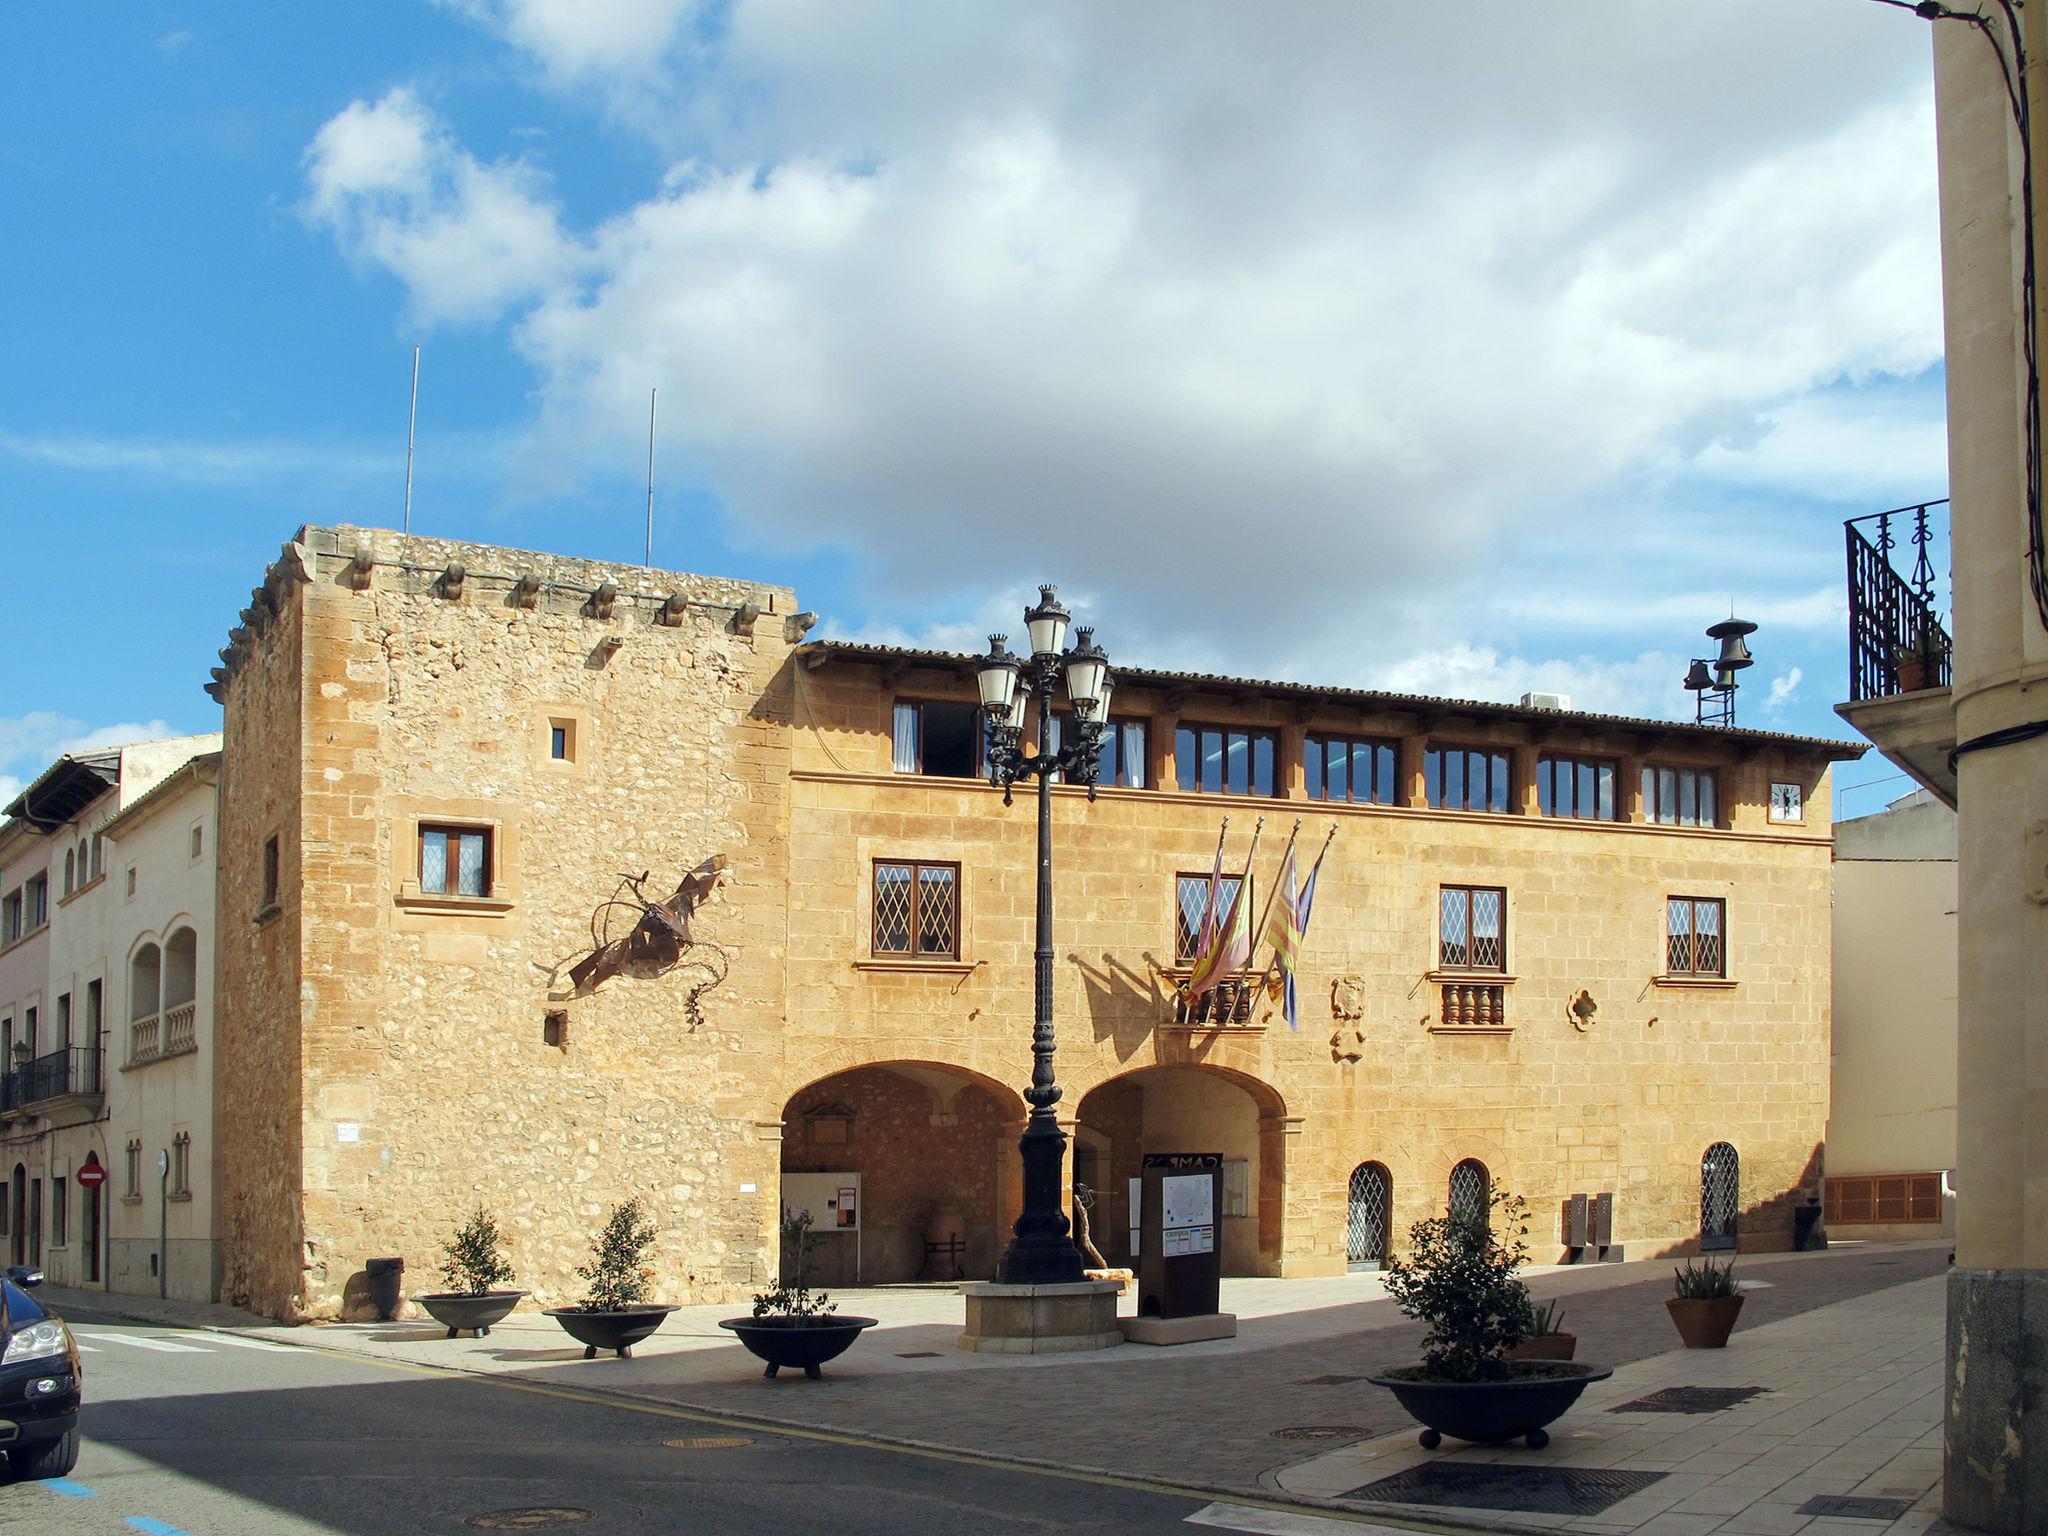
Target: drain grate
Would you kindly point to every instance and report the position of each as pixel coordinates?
(709, 1442)
(917, 1354)
(1519, 1490)
(1328, 1381)
(1852, 1506)
(529, 1519)
(1690, 1400)
(1321, 1432)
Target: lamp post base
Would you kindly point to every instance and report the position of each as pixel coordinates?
(1004, 1319)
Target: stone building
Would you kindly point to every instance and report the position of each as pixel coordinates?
(1556, 952)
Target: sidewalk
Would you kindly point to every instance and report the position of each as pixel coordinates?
(1229, 1415)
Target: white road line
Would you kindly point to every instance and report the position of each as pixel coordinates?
(87, 1349)
(140, 1342)
(1280, 1522)
(239, 1342)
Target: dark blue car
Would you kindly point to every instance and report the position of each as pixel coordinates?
(40, 1383)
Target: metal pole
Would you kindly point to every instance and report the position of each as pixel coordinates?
(650, 477)
(411, 421)
(163, 1237)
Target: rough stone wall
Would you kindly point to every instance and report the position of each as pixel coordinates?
(1627, 1104)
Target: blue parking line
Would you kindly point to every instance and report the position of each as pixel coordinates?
(68, 1488)
(155, 1527)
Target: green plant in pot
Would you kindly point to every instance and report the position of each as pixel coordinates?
(1917, 663)
(1459, 1277)
(615, 1313)
(1707, 1302)
(476, 1271)
(1543, 1336)
(792, 1325)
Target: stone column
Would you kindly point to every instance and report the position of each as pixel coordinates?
(1995, 1473)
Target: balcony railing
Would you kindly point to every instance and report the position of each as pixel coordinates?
(1897, 642)
(75, 1069)
(145, 1037)
(178, 1021)
(1229, 1002)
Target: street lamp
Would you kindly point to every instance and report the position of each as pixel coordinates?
(1043, 1251)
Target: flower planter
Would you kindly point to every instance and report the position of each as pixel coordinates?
(1918, 672)
(797, 1342)
(459, 1310)
(1704, 1323)
(619, 1330)
(1545, 1346)
(1490, 1412)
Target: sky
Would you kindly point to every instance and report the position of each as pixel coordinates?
(1460, 350)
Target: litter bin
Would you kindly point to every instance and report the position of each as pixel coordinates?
(1806, 1231)
(384, 1276)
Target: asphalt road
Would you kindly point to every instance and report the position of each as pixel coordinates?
(216, 1435)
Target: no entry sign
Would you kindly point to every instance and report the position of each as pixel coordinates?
(91, 1176)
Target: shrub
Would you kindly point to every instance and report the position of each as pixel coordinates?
(1708, 1281)
(794, 1300)
(1459, 1278)
(476, 1256)
(1545, 1320)
(618, 1272)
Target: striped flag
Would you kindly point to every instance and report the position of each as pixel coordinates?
(1287, 928)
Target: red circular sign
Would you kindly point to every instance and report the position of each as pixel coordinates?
(91, 1176)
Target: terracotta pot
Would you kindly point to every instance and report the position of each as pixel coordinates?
(1704, 1324)
(1545, 1346)
(1917, 672)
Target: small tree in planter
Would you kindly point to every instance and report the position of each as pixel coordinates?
(615, 1313)
(475, 1269)
(791, 1325)
(1460, 1279)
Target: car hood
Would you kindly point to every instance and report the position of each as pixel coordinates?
(17, 1310)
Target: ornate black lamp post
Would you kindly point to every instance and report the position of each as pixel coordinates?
(1043, 1251)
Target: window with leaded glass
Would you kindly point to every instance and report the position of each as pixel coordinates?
(917, 909)
(1466, 778)
(1575, 786)
(1471, 1189)
(1224, 759)
(455, 861)
(1472, 928)
(1350, 768)
(1695, 942)
(1191, 903)
(1120, 761)
(1680, 797)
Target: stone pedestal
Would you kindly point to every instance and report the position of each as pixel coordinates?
(1041, 1319)
(1179, 1330)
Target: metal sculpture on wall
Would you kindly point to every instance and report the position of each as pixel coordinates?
(658, 943)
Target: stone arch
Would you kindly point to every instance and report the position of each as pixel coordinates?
(934, 1149)
(1165, 1108)
(181, 966)
(145, 980)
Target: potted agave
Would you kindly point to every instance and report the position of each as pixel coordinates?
(1544, 1338)
(1917, 663)
(475, 1269)
(790, 1325)
(1707, 1303)
(615, 1314)
(1460, 1280)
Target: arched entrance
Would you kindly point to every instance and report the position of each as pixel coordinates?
(892, 1157)
(1368, 1217)
(1720, 1197)
(1187, 1109)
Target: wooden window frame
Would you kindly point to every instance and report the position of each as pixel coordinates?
(1652, 796)
(1501, 754)
(1547, 765)
(1253, 735)
(455, 831)
(1113, 743)
(1316, 783)
(914, 927)
(1692, 972)
(1469, 891)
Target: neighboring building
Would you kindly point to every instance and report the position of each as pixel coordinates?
(1562, 953)
(1892, 1121)
(62, 883)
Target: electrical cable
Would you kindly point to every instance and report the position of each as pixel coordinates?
(2005, 736)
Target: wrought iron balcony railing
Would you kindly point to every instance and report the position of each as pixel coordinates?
(1897, 641)
(73, 1069)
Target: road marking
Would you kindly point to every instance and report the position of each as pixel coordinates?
(145, 1343)
(1280, 1522)
(238, 1341)
(68, 1488)
(85, 1349)
(155, 1527)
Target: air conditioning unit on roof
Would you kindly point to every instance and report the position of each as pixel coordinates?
(1546, 701)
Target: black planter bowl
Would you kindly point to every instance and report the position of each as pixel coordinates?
(1491, 1412)
(797, 1342)
(459, 1310)
(619, 1330)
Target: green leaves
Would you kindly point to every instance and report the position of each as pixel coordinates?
(1708, 1282)
(794, 1299)
(1459, 1278)
(476, 1260)
(618, 1273)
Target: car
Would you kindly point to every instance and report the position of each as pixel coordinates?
(41, 1384)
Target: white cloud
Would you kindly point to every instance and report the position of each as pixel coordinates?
(29, 743)
(1784, 690)
(578, 39)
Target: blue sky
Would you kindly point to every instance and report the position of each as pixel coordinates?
(1456, 353)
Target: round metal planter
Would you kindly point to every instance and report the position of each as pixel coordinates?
(619, 1330)
(458, 1310)
(1491, 1412)
(787, 1341)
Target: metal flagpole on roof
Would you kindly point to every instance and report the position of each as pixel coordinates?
(411, 421)
(650, 476)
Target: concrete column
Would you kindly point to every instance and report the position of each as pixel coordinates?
(1411, 789)
(1995, 1473)
(1165, 771)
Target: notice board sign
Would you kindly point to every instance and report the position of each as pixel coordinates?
(1179, 1266)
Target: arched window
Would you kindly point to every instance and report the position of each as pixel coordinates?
(145, 998)
(70, 871)
(1720, 1197)
(1368, 1217)
(181, 986)
(1469, 1188)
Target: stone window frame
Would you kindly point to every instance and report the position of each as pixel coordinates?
(1692, 977)
(412, 814)
(581, 729)
(131, 1166)
(181, 1165)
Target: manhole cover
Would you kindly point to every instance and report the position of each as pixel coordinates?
(1327, 1381)
(709, 1442)
(529, 1519)
(1855, 1507)
(1519, 1490)
(1690, 1400)
(917, 1354)
(1320, 1432)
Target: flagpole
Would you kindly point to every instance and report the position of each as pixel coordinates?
(1266, 975)
(1223, 934)
(1206, 934)
(1259, 933)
